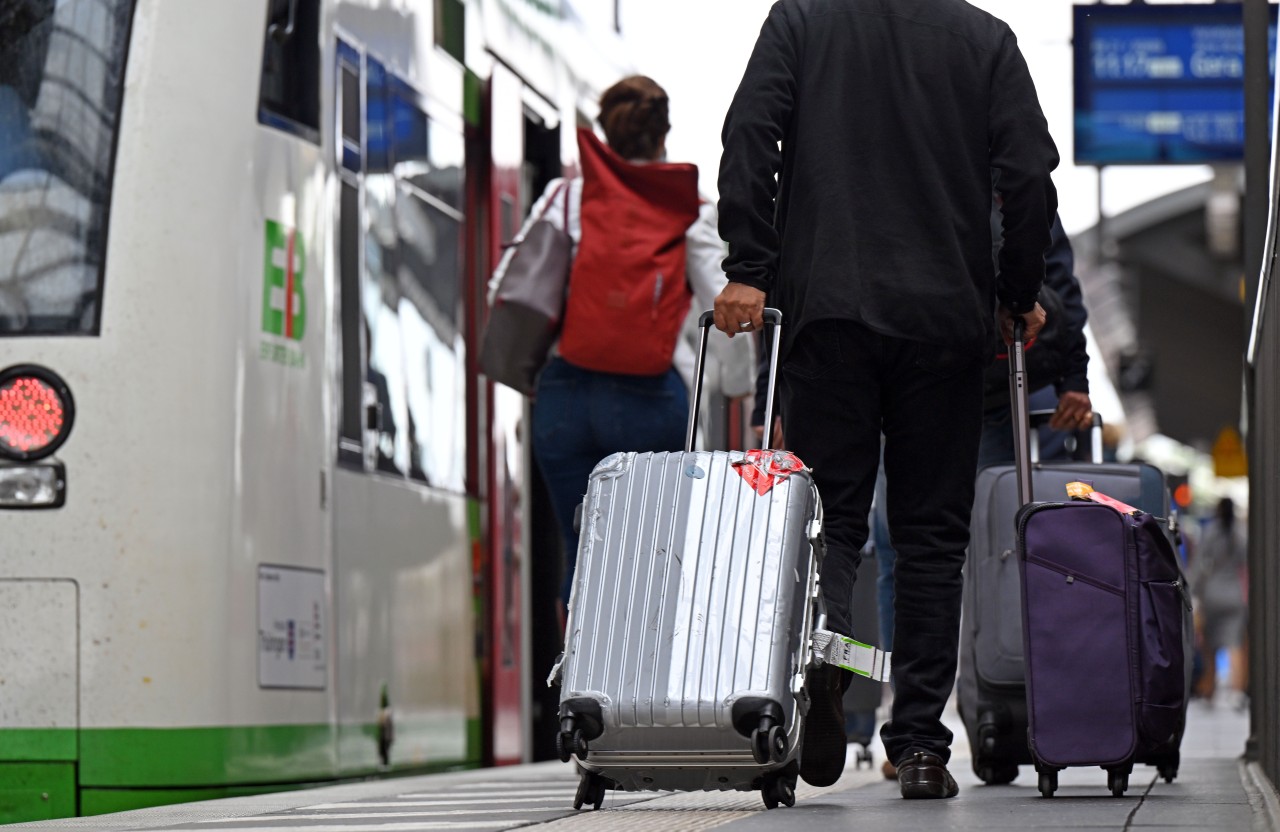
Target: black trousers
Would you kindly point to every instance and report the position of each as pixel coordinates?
(842, 386)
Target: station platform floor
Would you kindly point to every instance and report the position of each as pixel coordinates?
(1214, 791)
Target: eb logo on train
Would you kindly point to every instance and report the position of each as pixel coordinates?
(284, 297)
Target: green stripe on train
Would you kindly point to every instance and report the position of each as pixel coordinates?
(206, 756)
(133, 768)
(36, 791)
(37, 744)
(224, 756)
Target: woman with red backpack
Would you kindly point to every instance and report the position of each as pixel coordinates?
(644, 246)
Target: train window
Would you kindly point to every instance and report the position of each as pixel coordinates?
(380, 294)
(381, 299)
(377, 132)
(406, 282)
(349, 105)
(448, 160)
(428, 153)
(61, 84)
(431, 325)
(429, 162)
(289, 97)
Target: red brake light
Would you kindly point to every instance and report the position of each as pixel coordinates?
(35, 412)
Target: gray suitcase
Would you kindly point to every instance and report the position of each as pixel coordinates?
(992, 681)
(694, 616)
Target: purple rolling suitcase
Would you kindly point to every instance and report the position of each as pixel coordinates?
(1105, 629)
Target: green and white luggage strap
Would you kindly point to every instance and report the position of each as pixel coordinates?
(854, 656)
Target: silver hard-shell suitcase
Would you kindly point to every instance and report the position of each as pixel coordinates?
(694, 615)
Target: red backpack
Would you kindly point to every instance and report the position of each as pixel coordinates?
(628, 294)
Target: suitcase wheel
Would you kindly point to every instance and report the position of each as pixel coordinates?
(1118, 783)
(779, 790)
(1169, 769)
(1048, 783)
(591, 789)
(568, 744)
(769, 744)
(997, 775)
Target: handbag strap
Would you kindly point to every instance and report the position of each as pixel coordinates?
(546, 208)
(568, 192)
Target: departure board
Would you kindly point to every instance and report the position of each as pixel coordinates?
(1160, 84)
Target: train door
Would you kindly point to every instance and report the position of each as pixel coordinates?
(402, 553)
(507, 540)
(542, 164)
(524, 560)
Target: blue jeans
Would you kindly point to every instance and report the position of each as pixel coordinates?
(997, 433)
(581, 416)
(886, 558)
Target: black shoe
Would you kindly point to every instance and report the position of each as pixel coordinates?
(922, 775)
(823, 752)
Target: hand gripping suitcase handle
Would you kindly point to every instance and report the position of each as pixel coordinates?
(1026, 448)
(1040, 418)
(772, 319)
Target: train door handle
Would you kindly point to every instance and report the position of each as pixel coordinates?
(281, 32)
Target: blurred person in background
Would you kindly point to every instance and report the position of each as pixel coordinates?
(1057, 363)
(1218, 584)
(582, 415)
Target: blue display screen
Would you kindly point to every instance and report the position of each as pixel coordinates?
(1160, 84)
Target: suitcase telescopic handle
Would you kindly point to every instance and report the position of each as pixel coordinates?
(772, 319)
(1039, 418)
(1018, 401)
(1025, 453)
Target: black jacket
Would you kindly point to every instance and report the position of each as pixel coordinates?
(893, 117)
(1060, 278)
(1060, 356)
(1063, 333)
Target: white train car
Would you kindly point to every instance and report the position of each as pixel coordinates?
(261, 521)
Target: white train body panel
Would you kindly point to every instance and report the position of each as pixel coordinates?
(227, 597)
(205, 444)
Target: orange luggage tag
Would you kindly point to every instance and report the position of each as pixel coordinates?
(1084, 491)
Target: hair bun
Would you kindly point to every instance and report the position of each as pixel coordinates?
(634, 115)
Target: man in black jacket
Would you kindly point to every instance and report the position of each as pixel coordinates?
(855, 189)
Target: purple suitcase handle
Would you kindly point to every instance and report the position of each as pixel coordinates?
(1018, 401)
(1024, 419)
